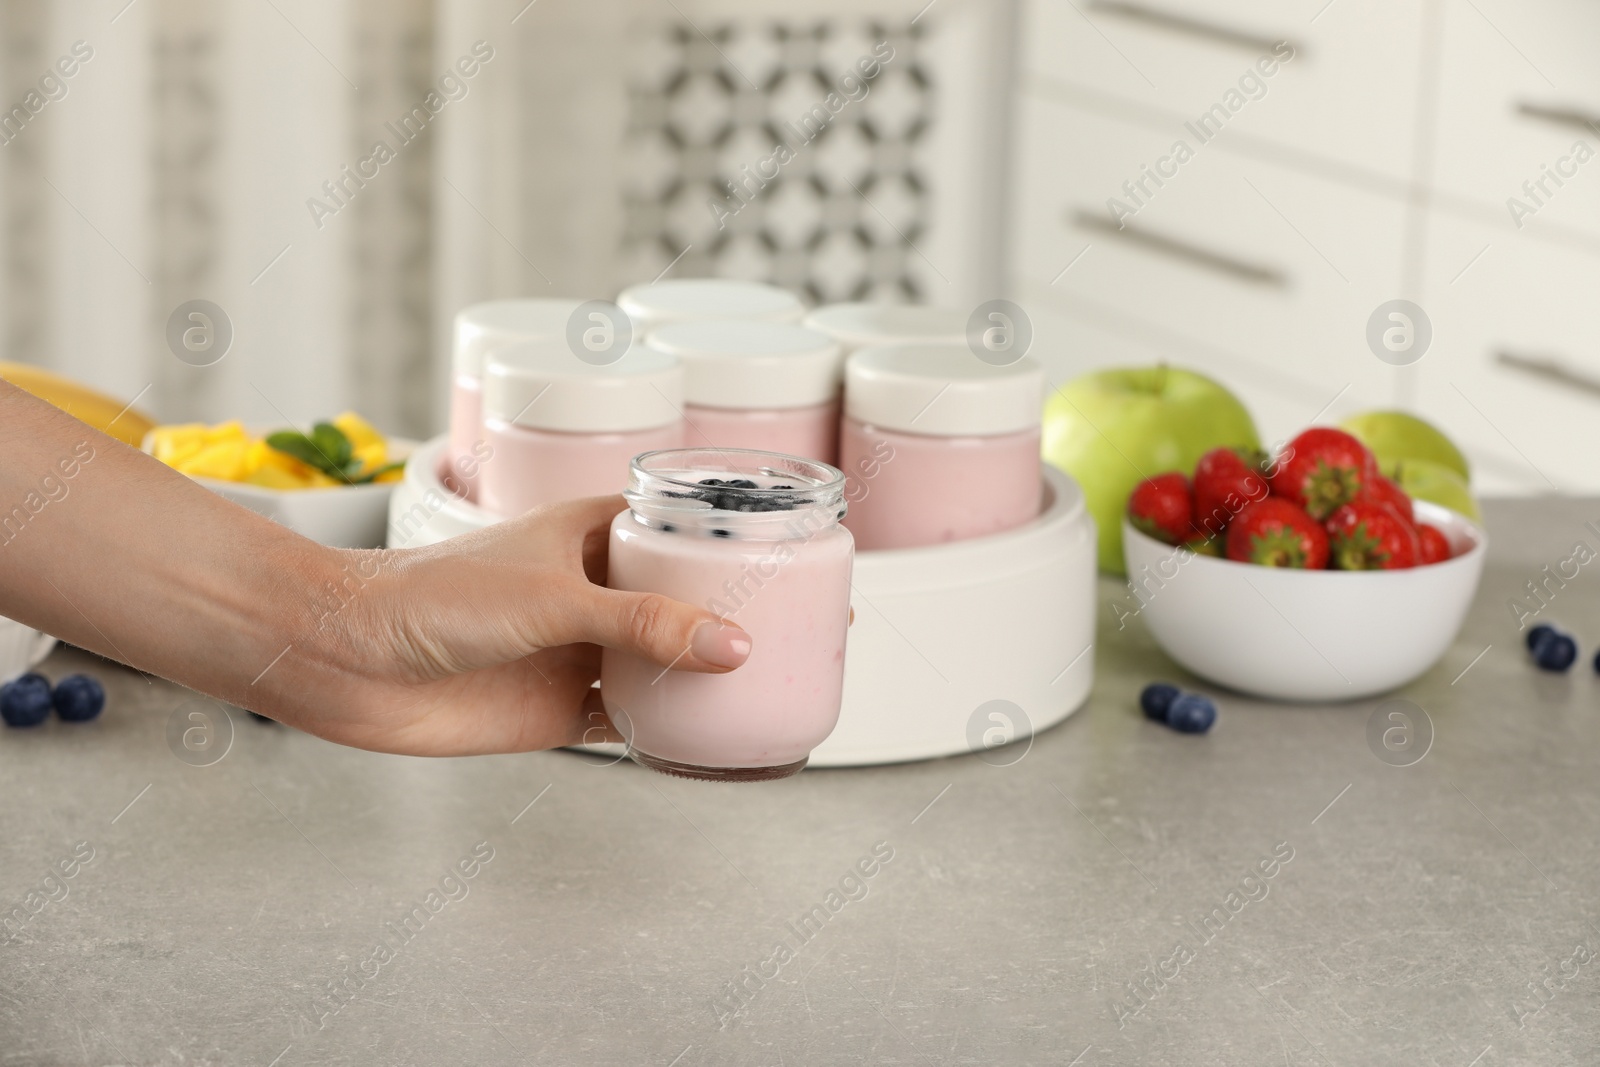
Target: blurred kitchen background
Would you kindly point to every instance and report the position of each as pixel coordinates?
(1385, 157)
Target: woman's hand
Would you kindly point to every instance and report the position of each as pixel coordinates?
(486, 643)
(491, 642)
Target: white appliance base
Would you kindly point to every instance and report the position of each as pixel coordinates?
(956, 648)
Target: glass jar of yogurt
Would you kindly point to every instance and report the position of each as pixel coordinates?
(939, 445)
(753, 537)
(678, 300)
(763, 385)
(480, 329)
(562, 428)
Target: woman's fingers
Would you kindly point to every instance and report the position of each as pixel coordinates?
(660, 629)
(587, 524)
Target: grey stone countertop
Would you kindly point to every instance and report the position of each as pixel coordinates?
(255, 911)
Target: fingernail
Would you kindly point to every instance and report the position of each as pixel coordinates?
(720, 645)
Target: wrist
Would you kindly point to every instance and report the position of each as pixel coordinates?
(313, 645)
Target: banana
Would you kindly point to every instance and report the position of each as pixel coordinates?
(104, 413)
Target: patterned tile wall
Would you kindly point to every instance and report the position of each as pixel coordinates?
(833, 167)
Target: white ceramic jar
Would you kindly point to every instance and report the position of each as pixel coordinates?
(857, 326)
(769, 386)
(479, 330)
(938, 445)
(560, 428)
(659, 303)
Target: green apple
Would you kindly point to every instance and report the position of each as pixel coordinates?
(1425, 480)
(1111, 429)
(1394, 435)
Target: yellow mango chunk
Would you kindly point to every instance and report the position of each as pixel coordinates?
(371, 456)
(173, 444)
(276, 478)
(223, 461)
(362, 434)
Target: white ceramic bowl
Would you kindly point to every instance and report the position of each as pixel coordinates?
(20, 648)
(345, 516)
(1305, 635)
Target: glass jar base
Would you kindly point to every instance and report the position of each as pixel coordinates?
(717, 774)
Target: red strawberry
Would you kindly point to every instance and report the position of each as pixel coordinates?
(1205, 546)
(1381, 490)
(1160, 507)
(1323, 469)
(1225, 480)
(1435, 546)
(1365, 536)
(1276, 533)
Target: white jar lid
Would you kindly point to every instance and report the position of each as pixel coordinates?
(542, 385)
(652, 305)
(482, 328)
(731, 363)
(865, 325)
(942, 390)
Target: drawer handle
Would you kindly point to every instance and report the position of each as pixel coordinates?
(1549, 369)
(1220, 262)
(1565, 116)
(1211, 31)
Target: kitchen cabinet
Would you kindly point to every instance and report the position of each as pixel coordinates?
(1341, 87)
(1258, 260)
(1375, 164)
(1514, 368)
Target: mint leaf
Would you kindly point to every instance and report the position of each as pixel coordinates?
(296, 444)
(326, 448)
(334, 446)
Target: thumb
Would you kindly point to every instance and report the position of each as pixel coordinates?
(665, 631)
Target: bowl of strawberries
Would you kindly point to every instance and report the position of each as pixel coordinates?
(1304, 576)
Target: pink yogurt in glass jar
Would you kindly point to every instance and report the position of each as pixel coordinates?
(560, 427)
(682, 299)
(939, 445)
(769, 386)
(479, 330)
(755, 538)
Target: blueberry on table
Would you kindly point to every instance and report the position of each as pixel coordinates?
(1157, 698)
(25, 701)
(78, 698)
(1537, 634)
(1192, 713)
(1555, 652)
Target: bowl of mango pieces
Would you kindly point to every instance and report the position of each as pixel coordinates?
(330, 483)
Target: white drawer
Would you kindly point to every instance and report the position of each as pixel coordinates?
(1517, 81)
(1278, 269)
(1514, 370)
(1349, 94)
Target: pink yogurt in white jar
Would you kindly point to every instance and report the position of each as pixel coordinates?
(479, 330)
(560, 427)
(765, 552)
(938, 445)
(769, 386)
(682, 299)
